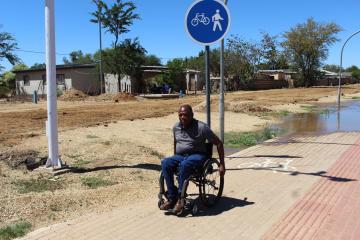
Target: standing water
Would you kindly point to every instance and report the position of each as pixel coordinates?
(325, 121)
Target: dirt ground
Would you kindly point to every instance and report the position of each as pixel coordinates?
(118, 140)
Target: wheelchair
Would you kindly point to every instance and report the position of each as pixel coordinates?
(208, 181)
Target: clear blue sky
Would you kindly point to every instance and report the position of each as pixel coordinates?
(161, 28)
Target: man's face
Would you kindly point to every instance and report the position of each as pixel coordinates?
(185, 117)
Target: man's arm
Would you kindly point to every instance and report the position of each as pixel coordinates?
(220, 148)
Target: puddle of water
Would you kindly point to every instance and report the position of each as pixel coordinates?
(347, 119)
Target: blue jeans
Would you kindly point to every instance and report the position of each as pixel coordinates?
(186, 164)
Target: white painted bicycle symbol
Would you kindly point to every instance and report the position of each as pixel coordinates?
(283, 167)
(200, 18)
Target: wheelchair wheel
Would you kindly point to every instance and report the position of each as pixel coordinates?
(212, 184)
(160, 202)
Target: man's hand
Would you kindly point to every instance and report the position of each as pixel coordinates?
(222, 170)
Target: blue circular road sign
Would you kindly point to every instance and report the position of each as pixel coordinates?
(207, 21)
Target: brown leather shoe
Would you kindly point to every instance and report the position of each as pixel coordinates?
(167, 205)
(177, 210)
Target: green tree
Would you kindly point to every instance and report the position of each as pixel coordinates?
(19, 67)
(129, 56)
(7, 80)
(198, 62)
(152, 60)
(353, 68)
(38, 66)
(176, 70)
(332, 68)
(269, 51)
(272, 57)
(355, 71)
(115, 19)
(356, 74)
(242, 58)
(7, 47)
(78, 57)
(308, 44)
(7, 83)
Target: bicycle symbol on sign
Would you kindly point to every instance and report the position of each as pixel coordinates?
(200, 18)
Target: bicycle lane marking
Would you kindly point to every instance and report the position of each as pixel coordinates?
(284, 166)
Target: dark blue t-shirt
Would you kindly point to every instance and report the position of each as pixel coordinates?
(192, 139)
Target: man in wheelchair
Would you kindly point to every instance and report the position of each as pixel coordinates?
(190, 153)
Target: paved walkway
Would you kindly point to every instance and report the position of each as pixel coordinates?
(298, 188)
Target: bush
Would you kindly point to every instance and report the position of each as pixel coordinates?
(59, 92)
(4, 91)
(248, 139)
(14, 230)
(96, 182)
(37, 185)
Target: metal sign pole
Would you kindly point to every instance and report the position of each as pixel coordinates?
(51, 128)
(207, 78)
(221, 100)
(221, 103)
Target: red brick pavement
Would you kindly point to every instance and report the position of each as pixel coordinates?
(330, 209)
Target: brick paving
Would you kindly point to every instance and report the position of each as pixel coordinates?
(330, 209)
(312, 180)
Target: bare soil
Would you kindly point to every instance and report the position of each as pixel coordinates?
(120, 141)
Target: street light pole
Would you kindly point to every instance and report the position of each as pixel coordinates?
(340, 71)
(51, 126)
(101, 66)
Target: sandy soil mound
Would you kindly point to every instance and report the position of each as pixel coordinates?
(115, 97)
(246, 108)
(73, 95)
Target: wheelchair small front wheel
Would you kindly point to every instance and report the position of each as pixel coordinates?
(212, 183)
(195, 210)
(160, 202)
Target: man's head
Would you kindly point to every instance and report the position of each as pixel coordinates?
(186, 115)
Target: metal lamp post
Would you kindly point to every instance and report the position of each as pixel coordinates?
(341, 56)
(102, 84)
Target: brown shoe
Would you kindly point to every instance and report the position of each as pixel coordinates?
(177, 210)
(167, 205)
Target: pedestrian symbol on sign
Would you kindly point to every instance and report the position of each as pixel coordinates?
(207, 21)
(216, 20)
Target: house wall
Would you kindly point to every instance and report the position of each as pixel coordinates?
(111, 83)
(36, 83)
(335, 81)
(257, 84)
(83, 79)
(194, 81)
(127, 84)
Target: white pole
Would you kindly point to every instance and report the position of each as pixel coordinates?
(53, 160)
